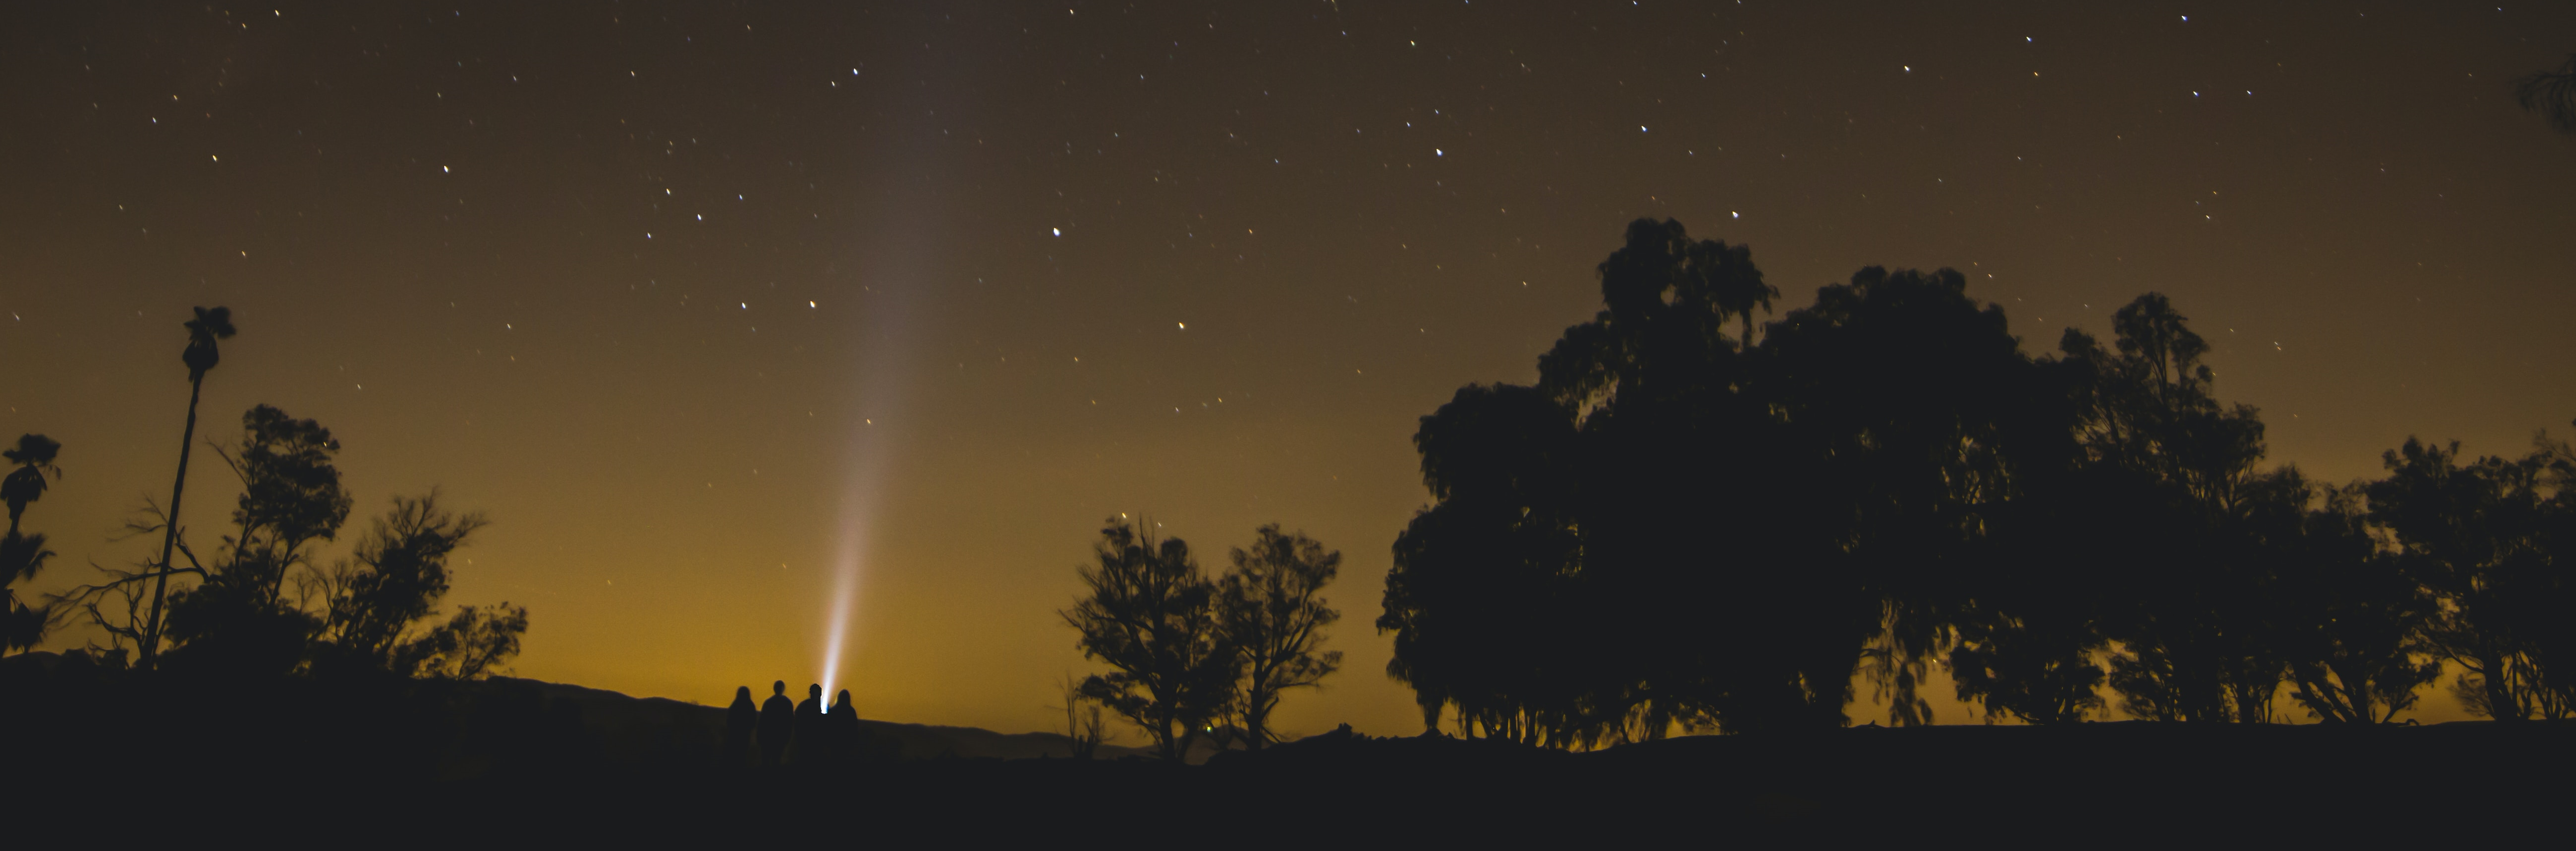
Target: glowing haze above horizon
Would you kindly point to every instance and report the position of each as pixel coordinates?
(704, 303)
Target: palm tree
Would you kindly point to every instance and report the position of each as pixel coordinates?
(200, 356)
(21, 556)
(34, 457)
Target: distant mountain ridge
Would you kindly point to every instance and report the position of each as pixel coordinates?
(661, 731)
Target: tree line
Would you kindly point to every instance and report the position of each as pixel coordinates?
(1190, 652)
(261, 603)
(1689, 525)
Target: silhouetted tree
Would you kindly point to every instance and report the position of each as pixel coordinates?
(1083, 730)
(1917, 428)
(2490, 538)
(1679, 528)
(1481, 596)
(1148, 611)
(2551, 93)
(2191, 631)
(1272, 612)
(22, 556)
(1735, 285)
(2036, 666)
(291, 497)
(1731, 529)
(373, 612)
(2351, 618)
(200, 356)
(2551, 641)
(476, 642)
(34, 457)
(239, 616)
(2028, 607)
(375, 603)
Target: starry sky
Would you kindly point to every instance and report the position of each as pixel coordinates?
(699, 300)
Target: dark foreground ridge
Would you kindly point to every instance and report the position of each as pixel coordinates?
(516, 761)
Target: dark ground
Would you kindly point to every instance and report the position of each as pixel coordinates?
(299, 762)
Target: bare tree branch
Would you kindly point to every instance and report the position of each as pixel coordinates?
(2552, 94)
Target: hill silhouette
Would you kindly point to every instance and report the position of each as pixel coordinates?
(638, 729)
(522, 761)
(621, 729)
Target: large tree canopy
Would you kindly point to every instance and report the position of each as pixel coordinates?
(1693, 521)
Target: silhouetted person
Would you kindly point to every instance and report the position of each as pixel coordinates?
(740, 719)
(777, 724)
(842, 728)
(810, 735)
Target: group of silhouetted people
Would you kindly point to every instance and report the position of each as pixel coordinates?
(787, 732)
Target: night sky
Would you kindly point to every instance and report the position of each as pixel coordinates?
(700, 301)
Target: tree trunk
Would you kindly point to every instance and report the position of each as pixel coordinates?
(1256, 709)
(1256, 719)
(2360, 700)
(2342, 701)
(2501, 705)
(170, 534)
